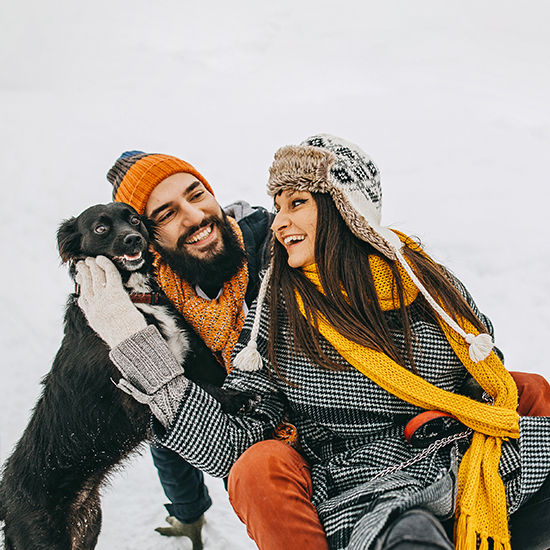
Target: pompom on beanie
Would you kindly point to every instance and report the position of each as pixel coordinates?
(135, 174)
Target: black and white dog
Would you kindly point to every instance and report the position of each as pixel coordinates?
(82, 425)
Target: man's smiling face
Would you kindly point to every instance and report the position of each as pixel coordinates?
(187, 216)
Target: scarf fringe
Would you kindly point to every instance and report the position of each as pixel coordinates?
(465, 534)
(468, 538)
(484, 543)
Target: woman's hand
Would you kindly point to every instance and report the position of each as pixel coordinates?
(105, 302)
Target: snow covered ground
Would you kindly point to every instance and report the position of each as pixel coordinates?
(449, 98)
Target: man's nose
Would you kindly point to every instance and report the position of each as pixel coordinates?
(191, 216)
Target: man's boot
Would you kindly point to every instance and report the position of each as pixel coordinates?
(179, 529)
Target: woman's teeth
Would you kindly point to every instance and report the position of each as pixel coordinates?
(292, 239)
(200, 236)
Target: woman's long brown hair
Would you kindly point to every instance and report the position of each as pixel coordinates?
(343, 262)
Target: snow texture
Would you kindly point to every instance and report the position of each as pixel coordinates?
(449, 98)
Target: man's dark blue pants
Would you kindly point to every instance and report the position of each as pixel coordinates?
(183, 485)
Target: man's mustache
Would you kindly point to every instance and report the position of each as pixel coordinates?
(180, 243)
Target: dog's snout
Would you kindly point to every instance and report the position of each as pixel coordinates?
(132, 239)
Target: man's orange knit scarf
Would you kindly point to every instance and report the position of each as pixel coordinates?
(218, 322)
(481, 501)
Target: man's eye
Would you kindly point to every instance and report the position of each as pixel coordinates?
(165, 217)
(134, 220)
(100, 229)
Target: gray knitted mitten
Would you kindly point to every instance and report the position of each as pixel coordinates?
(105, 302)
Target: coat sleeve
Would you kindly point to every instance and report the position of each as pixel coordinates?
(201, 432)
(210, 439)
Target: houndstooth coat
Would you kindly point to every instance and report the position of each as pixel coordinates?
(350, 430)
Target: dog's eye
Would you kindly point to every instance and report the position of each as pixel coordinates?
(100, 229)
(134, 220)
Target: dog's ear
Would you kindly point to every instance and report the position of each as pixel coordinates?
(68, 240)
(151, 226)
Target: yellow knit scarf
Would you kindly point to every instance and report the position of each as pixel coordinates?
(218, 322)
(481, 502)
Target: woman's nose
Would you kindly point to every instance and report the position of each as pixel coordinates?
(279, 222)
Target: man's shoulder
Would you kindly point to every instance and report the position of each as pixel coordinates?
(239, 210)
(254, 221)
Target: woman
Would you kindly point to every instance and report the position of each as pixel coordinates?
(355, 332)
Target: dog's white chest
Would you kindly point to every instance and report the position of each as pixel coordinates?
(175, 338)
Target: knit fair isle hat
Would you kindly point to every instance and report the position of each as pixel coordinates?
(135, 174)
(327, 164)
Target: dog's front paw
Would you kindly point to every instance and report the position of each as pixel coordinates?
(238, 402)
(231, 401)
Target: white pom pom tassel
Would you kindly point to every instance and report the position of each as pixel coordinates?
(480, 346)
(248, 359)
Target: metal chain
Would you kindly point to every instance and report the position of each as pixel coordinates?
(435, 446)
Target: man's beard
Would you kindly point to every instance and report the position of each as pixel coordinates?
(214, 270)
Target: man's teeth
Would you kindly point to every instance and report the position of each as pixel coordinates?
(293, 238)
(200, 236)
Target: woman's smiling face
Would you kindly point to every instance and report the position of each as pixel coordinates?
(295, 226)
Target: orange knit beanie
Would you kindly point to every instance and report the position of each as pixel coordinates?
(135, 174)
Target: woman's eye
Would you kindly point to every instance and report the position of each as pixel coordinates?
(134, 220)
(298, 202)
(100, 229)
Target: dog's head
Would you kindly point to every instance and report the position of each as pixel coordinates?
(114, 230)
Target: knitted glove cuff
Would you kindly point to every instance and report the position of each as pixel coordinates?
(145, 360)
(164, 403)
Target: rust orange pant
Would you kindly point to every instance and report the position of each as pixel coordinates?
(533, 394)
(270, 490)
(270, 484)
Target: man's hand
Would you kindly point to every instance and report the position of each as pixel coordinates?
(105, 302)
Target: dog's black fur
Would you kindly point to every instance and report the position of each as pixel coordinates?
(83, 425)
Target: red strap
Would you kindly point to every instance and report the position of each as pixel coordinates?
(149, 298)
(419, 420)
(137, 298)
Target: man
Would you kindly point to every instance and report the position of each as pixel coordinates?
(208, 264)
(535, 399)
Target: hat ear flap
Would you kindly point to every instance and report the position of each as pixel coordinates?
(68, 240)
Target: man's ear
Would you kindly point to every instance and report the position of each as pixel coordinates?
(68, 240)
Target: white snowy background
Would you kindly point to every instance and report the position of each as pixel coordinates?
(451, 99)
